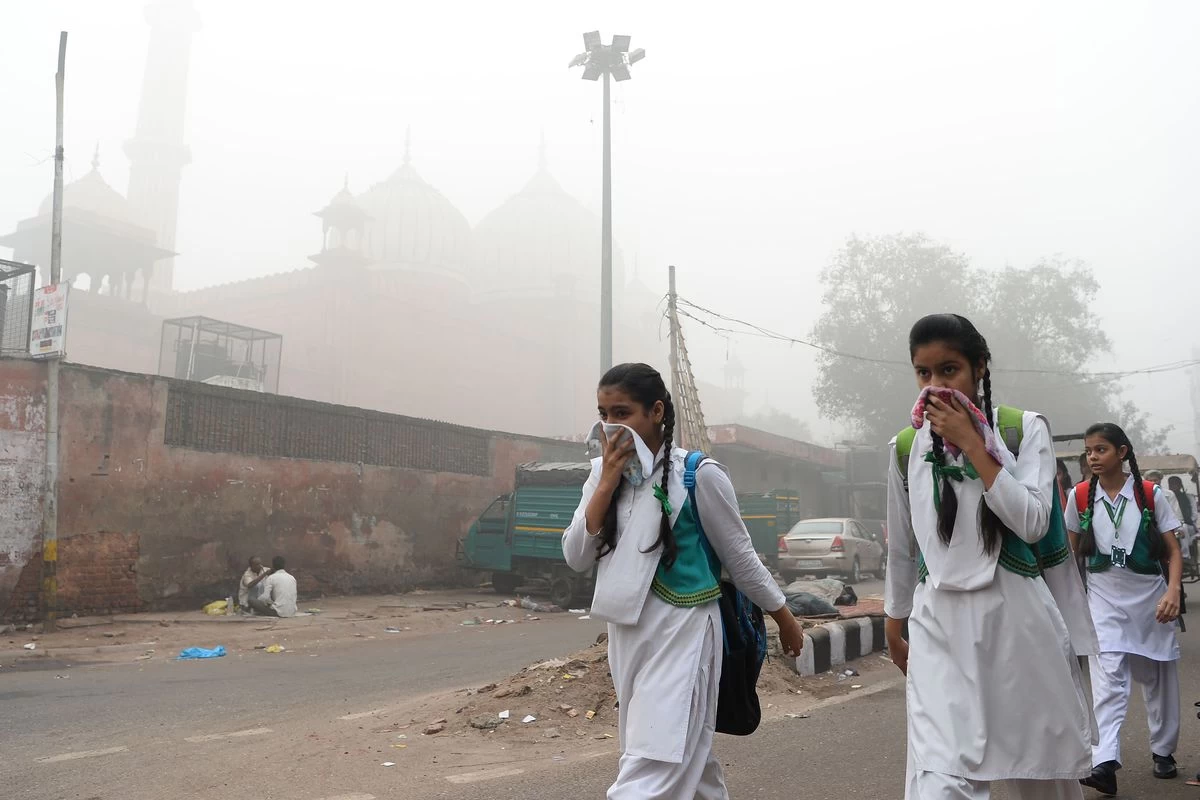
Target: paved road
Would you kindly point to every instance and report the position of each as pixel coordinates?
(155, 707)
(300, 726)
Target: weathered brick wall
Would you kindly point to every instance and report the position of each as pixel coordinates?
(22, 476)
(97, 572)
(168, 487)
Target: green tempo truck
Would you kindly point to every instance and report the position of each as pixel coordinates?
(518, 538)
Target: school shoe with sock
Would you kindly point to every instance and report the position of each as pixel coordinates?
(1164, 767)
(1103, 778)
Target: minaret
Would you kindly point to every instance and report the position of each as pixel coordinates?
(157, 153)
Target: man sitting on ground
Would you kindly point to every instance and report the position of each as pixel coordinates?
(279, 592)
(251, 584)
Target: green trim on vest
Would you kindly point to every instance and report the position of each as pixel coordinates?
(693, 580)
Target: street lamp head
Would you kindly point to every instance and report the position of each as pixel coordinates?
(600, 59)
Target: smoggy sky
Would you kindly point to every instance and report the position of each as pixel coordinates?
(752, 141)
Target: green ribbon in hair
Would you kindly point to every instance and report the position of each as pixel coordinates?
(661, 495)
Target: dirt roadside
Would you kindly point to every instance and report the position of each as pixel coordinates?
(559, 711)
(140, 637)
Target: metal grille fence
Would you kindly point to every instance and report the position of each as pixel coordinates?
(16, 306)
(251, 423)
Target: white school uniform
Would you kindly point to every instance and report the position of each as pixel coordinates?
(666, 660)
(1134, 646)
(994, 690)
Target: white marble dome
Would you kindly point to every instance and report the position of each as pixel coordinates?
(411, 225)
(541, 241)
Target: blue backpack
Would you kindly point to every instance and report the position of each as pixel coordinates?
(744, 633)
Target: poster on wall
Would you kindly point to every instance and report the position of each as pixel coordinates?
(48, 334)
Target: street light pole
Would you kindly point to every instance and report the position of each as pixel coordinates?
(610, 61)
(606, 355)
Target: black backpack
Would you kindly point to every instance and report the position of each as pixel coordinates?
(745, 640)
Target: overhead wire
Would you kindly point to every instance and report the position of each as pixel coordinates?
(758, 331)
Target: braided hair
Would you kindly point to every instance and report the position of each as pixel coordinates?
(1115, 435)
(959, 334)
(645, 386)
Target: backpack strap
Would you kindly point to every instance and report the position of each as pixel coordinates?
(690, 464)
(1148, 487)
(1081, 494)
(904, 446)
(1011, 422)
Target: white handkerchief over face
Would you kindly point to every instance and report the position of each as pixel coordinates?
(638, 468)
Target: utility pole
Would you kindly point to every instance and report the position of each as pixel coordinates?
(610, 61)
(56, 214)
(673, 322)
(50, 503)
(691, 431)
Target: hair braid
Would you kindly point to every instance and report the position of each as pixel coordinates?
(948, 511)
(1087, 539)
(1157, 549)
(666, 536)
(987, 396)
(608, 534)
(990, 525)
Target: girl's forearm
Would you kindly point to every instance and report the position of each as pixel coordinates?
(597, 508)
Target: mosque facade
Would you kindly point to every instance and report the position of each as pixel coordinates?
(405, 306)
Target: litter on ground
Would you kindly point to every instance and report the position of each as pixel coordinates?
(196, 653)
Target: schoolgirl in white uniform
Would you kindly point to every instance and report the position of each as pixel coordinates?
(994, 691)
(656, 589)
(1133, 606)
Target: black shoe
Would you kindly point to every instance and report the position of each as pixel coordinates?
(1103, 778)
(1164, 767)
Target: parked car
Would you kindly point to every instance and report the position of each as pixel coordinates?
(824, 547)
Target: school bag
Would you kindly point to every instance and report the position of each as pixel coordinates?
(744, 638)
(1052, 549)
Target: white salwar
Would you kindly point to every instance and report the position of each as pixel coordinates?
(994, 689)
(666, 660)
(1134, 646)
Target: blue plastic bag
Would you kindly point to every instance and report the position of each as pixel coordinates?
(193, 653)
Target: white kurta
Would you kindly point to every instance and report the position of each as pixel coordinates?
(1123, 603)
(666, 660)
(994, 690)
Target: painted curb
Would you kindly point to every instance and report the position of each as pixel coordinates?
(836, 643)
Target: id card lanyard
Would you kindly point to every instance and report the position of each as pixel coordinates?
(1115, 515)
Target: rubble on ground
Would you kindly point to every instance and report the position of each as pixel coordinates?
(567, 698)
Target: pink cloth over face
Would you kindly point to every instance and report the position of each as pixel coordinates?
(946, 395)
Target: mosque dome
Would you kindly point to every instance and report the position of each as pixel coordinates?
(411, 225)
(540, 241)
(93, 195)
